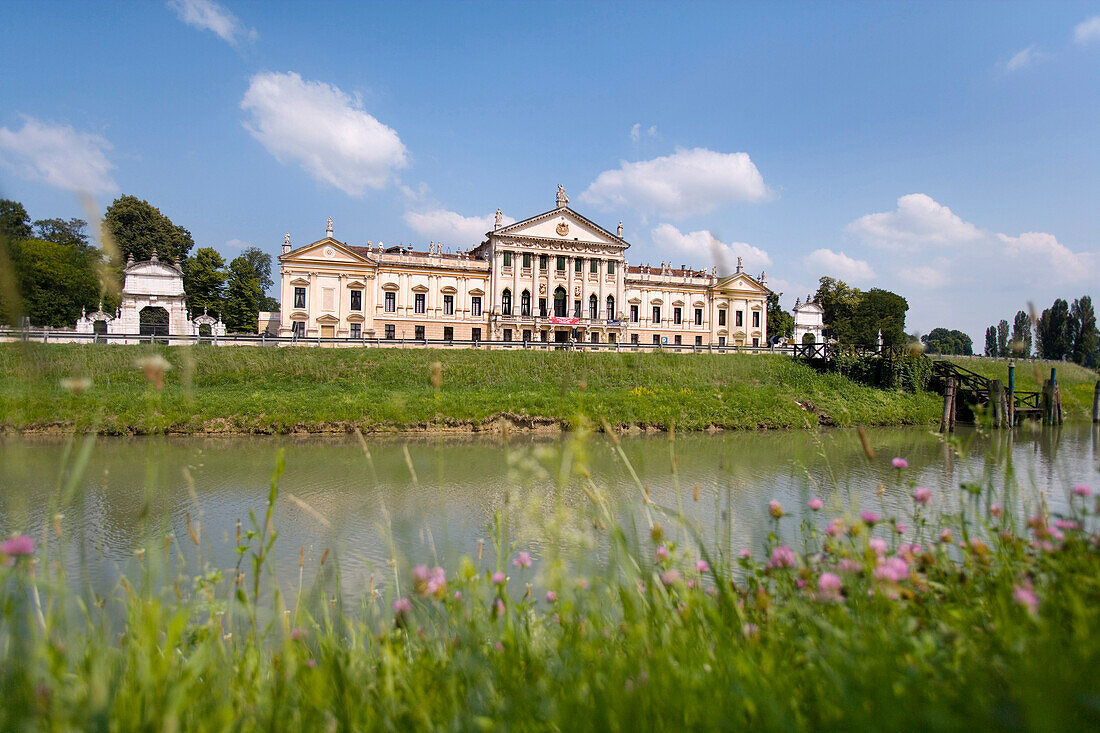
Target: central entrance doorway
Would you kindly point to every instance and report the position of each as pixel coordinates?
(153, 321)
(561, 336)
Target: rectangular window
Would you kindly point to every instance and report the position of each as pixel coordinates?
(507, 259)
(542, 307)
(299, 297)
(593, 308)
(698, 340)
(594, 267)
(611, 337)
(542, 262)
(578, 266)
(633, 338)
(475, 305)
(739, 318)
(391, 302)
(721, 316)
(526, 335)
(611, 267)
(721, 340)
(391, 331)
(507, 334)
(698, 316)
(576, 309)
(633, 314)
(677, 315)
(545, 335)
(656, 314)
(595, 338)
(756, 319)
(475, 334)
(418, 333)
(527, 260)
(356, 331)
(677, 340)
(448, 333)
(328, 299)
(298, 329)
(419, 303)
(656, 340)
(357, 300)
(755, 342)
(561, 263)
(448, 305)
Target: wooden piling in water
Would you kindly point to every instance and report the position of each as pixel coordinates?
(1011, 398)
(996, 402)
(948, 405)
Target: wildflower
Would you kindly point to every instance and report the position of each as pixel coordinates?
(402, 606)
(1082, 490)
(662, 553)
(869, 518)
(1025, 596)
(815, 504)
(154, 368)
(656, 532)
(746, 554)
(1067, 524)
(750, 631)
(499, 608)
(311, 663)
(848, 565)
(922, 495)
(836, 527)
(775, 509)
(978, 547)
(829, 584)
(782, 557)
(458, 595)
(551, 596)
(893, 569)
(702, 566)
(878, 545)
(499, 578)
(18, 546)
(996, 510)
(946, 536)
(900, 463)
(670, 577)
(429, 582)
(523, 560)
(297, 634)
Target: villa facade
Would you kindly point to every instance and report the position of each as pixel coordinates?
(554, 277)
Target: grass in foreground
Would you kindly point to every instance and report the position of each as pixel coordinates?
(273, 390)
(980, 619)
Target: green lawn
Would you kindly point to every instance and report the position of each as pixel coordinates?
(273, 390)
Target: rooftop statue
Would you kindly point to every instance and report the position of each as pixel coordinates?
(562, 198)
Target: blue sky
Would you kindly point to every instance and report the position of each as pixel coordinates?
(946, 151)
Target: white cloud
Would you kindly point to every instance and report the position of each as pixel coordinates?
(636, 131)
(209, 16)
(1087, 30)
(929, 278)
(58, 155)
(1044, 250)
(1023, 59)
(917, 221)
(323, 130)
(838, 264)
(452, 228)
(706, 250)
(687, 182)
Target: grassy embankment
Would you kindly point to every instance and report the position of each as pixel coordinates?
(271, 390)
(1077, 383)
(970, 621)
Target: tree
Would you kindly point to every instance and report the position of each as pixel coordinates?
(944, 341)
(991, 341)
(1055, 332)
(54, 282)
(204, 279)
(1085, 336)
(1021, 335)
(839, 303)
(780, 322)
(69, 232)
(242, 297)
(14, 221)
(139, 229)
(261, 265)
(880, 311)
(1002, 338)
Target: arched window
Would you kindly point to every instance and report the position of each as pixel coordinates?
(559, 302)
(610, 306)
(593, 306)
(525, 303)
(506, 302)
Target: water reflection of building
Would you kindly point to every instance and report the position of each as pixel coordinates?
(556, 276)
(153, 304)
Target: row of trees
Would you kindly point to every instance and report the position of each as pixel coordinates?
(853, 316)
(1063, 332)
(947, 341)
(49, 270)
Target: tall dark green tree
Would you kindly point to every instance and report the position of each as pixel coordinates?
(14, 221)
(780, 322)
(839, 302)
(139, 229)
(947, 341)
(1002, 338)
(54, 282)
(991, 341)
(261, 264)
(1021, 335)
(204, 279)
(242, 297)
(1054, 331)
(880, 311)
(1085, 336)
(72, 232)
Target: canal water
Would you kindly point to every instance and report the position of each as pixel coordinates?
(432, 500)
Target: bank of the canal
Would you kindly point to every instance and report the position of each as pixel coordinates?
(73, 388)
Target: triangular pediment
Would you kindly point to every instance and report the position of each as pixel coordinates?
(740, 282)
(562, 225)
(323, 250)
